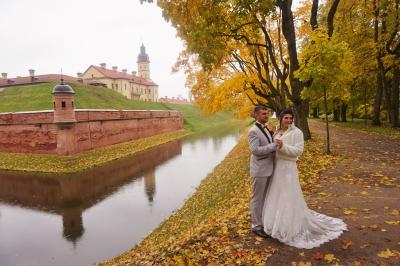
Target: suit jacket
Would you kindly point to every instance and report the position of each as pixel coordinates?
(262, 153)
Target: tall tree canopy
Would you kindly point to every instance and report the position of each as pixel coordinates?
(245, 52)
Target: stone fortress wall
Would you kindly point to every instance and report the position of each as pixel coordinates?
(37, 132)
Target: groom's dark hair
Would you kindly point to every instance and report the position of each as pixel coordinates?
(258, 108)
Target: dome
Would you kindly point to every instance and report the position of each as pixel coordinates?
(63, 88)
(143, 57)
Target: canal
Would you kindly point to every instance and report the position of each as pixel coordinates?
(91, 216)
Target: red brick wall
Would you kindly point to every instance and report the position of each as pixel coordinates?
(35, 132)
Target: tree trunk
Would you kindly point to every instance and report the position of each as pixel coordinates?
(365, 105)
(289, 31)
(343, 112)
(395, 97)
(380, 71)
(331, 16)
(315, 112)
(301, 113)
(336, 114)
(387, 93)
(376, 120)
(328, 146)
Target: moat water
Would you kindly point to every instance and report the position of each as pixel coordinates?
(92, 216)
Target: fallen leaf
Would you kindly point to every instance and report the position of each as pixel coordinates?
(346, 244)
(393, 222)
(317, 256)
(386, 254)
(374, 227)
(349, 211)
(329, 257)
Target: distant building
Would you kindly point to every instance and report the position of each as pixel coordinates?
(135, 86)
(177, 100)
(5, 81)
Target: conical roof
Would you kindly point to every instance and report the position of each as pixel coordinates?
(63, 88)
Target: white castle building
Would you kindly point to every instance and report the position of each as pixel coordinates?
(134, 85)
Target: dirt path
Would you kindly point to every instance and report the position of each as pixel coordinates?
(363, 189)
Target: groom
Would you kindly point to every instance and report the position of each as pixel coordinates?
(263, 149)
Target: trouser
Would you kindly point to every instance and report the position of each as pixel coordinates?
(259, 191)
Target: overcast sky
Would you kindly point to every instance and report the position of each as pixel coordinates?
(47, 35)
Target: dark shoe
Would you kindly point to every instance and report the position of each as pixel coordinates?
(261, 233)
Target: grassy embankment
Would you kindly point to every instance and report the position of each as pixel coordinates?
(212, 228)
(38, 97)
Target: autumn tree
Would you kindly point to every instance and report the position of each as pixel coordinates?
(213, 31)
(328, 63)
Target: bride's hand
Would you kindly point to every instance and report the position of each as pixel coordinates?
(278, 143)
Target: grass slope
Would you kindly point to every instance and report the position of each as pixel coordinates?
(38, 97)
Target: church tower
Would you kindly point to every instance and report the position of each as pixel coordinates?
(143, 63)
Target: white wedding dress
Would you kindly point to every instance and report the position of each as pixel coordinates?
(286, 216)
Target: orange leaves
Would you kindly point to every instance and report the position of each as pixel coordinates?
(330, 258)
(347, 211)
(395, 212)
(392, 222)
(346, 244)
(373, 227)
(317, 256)
(387, 253)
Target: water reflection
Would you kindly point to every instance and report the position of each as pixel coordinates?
(71, 194)
(84, 218)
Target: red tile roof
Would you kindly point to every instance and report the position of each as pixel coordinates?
(174, 100)
(114, 74)
(37, 79)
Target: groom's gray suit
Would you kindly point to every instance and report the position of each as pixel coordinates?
(261, 167)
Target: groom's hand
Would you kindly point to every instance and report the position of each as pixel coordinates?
(278, 143)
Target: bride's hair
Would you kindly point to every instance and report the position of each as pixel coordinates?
(283, 113)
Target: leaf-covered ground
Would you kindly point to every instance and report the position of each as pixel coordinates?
(385, 129)
(361, 186)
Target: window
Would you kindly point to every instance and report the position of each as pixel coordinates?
(72, 104)
(54, 105)
(116, 86)
(63, 105)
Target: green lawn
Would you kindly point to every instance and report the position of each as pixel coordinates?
(38, 97)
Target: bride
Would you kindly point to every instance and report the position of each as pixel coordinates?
(286, 216)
